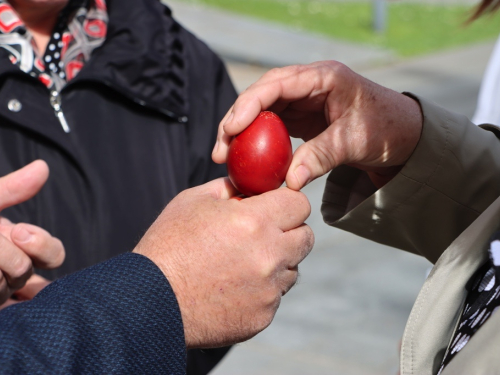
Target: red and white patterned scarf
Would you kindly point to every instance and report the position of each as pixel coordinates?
(80, 28)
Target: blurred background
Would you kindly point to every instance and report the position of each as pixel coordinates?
(348, 311)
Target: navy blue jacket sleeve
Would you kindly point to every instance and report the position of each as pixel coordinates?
(118, 317)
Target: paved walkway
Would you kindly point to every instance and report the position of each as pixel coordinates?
(247, 40)
(349, 310)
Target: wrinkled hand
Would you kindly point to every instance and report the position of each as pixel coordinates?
(229, 261)
(343, 117)
(23, 246)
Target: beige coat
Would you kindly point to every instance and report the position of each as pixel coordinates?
(442, 205)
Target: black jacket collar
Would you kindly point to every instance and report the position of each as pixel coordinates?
(143, 57)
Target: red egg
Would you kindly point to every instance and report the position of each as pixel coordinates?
(258, 158)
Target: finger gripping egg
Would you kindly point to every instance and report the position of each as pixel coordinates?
(258, 158)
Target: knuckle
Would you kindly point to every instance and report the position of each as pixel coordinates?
(258, 266)
(323, 155)
(309, 238)
(295, 203)
(334, 68)
(290, 283)
(274, 72)
(21, 268)
(266, 314)
(273, 306)
(50, 253)
(249, 224)
(299, 69)
(322, 152)
(266, 269)
(60, 252)
(15, 263)
(181, 196)
(303, 201)
(338, 67)
(259, 323)
(266, 321)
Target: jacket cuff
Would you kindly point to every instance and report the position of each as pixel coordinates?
(451, 177)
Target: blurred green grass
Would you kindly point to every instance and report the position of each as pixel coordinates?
(412, 28)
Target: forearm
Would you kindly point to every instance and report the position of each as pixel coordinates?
(120, 316)
(451, 177)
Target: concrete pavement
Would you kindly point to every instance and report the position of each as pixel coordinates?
(263, 43)
(348, 312)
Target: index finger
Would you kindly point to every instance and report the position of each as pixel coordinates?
(44, 250)
(275, 88)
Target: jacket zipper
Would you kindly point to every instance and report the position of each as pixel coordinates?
(55, 102)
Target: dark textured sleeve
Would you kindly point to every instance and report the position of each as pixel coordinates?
(118, 317)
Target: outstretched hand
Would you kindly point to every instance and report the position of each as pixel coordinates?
(342, 117)
(23, 246)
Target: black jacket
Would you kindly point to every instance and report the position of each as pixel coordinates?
(143, 115)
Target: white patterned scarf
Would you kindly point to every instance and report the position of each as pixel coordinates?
(80, 28)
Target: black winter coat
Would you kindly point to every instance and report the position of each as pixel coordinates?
(143, 115)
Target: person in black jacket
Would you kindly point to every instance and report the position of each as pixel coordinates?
(227, 264)
(122, 103)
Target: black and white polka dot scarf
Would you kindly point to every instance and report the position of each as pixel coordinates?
(52, 56)
(483, 299)
(80, 28)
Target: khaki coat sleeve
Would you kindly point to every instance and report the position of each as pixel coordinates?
(451, 178)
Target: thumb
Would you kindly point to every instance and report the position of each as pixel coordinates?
(311, 160)
(221, 188)
(23, 184)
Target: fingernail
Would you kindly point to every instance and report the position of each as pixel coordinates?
(303, 175)
(216, 147)
(22, 235)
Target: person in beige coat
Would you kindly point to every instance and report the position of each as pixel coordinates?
(406, 173)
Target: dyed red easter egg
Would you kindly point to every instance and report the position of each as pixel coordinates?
(258, 158)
